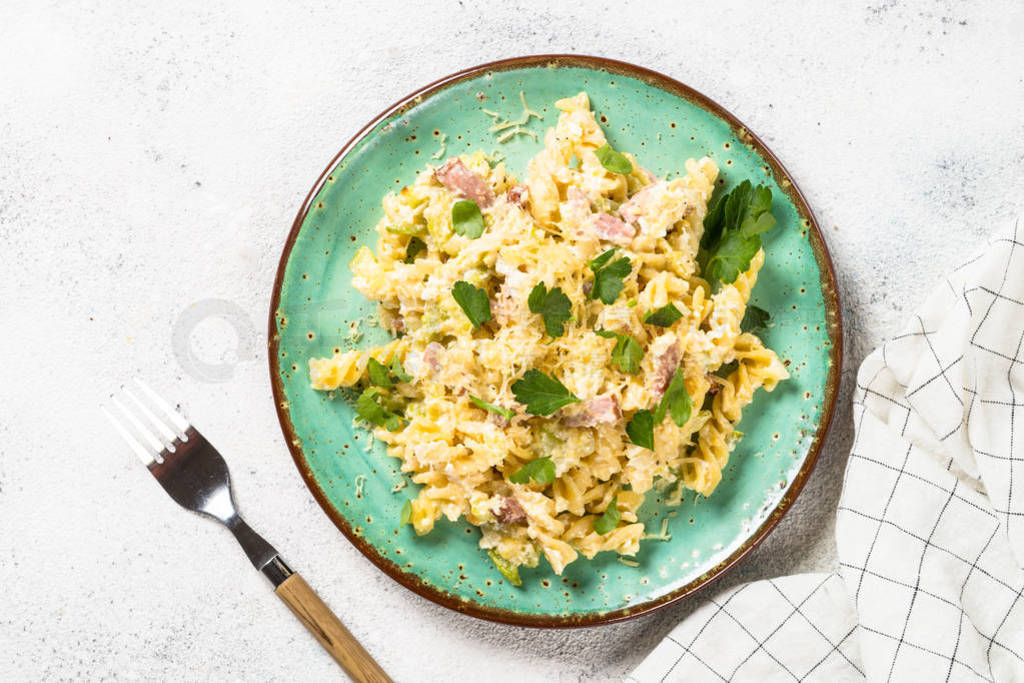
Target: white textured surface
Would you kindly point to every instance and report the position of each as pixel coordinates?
(132, 138)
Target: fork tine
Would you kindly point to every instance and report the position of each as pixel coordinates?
(147, 436)
(176, 418)
(161, 426)
(145, 456)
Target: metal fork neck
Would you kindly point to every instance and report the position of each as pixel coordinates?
(262, 555)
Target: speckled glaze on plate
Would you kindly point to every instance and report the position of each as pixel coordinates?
(663, 123)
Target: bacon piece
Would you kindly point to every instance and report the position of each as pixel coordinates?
(432, 355)
(665, 366)
(518, 194)
(510, 512)
(611, 229)
(600, 410)
(637, 204)
(454, 175)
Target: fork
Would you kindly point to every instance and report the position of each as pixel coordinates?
(195, 475)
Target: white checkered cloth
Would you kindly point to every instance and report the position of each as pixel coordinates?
(929, 530)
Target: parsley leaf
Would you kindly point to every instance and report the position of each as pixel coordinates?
(755, 319)
(599, 262)
(554, 306)
(398, 371)
(640, 429)
(508, 570)
(415, 246)
(406, 513)
(610, 519)
(474, 302)
(541, 470)
(369, 409)
(626, 353)
(498, 410)
(542, 395)
(608, 277)
(664, 316)
(732, 257)
(613, 161)
(379, 374)
(467, 219)
(675, 401)
(732, 231)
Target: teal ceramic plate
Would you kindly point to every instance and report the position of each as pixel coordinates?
(663, 123)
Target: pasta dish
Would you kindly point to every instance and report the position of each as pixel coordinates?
(560, 345)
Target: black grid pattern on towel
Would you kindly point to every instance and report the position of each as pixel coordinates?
(932, 588)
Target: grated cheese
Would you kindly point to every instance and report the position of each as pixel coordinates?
(512, 128)
(676, 497)
(439, 154)
(663, 535)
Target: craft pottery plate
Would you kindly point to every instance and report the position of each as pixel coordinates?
(662, 122)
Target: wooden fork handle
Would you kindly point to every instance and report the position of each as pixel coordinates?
(328, 629)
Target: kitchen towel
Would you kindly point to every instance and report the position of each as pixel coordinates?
(930, 525)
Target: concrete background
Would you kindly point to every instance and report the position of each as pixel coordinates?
(153, 155)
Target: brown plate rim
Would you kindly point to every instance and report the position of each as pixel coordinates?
(833, 320)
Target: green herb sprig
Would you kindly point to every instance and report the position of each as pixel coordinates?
(473, 301)
(370, 407)
(541, 394)
(664, 316)
(755, 319)
(490, 407)
(640, 429)
(541, 470)
(675, 401)
(608, 277)
(613, 161)
(627, 352)
(610, 519)
(467, 219)
(732, 232)
(553, 306)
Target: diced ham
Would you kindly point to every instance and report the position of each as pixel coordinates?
(518, 194)
(454, 175)
(665, 365)
(611, 229)
(600, 410)
(637, 204)
(432, 355)
(510, 512)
